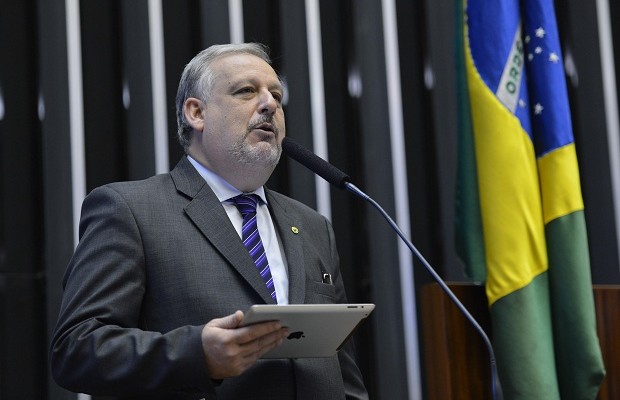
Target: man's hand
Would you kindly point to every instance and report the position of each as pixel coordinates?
(229, 349)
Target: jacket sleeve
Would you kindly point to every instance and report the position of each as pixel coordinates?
(99, 345)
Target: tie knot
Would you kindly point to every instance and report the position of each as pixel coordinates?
(246, 203)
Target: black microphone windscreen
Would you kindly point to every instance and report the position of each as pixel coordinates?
(314, 163)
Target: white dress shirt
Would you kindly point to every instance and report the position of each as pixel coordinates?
(277, 262)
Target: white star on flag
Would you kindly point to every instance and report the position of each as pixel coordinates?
(538, 109)
(554, 58)
(538, 50)
(540, 33)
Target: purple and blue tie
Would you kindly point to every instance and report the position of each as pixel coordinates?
(246, 204)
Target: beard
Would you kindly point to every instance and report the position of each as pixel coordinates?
(261, 154)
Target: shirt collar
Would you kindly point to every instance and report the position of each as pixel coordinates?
(222, 189)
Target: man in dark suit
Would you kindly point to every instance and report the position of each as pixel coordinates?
(154, 294)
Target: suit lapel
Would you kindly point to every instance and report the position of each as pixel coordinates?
(207, 213)
(290, 231)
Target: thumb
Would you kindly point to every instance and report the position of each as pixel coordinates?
(228, 322)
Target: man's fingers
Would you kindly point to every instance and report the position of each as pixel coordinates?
(251, 333)
(244, 334)
(228, 322)
(263, 344)
(229, 349)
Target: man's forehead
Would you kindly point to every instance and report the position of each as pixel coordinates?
(242, 61)
(243, 66)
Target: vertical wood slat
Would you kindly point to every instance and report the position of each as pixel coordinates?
(606, 301)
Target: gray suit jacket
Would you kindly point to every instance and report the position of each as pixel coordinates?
(159, 258)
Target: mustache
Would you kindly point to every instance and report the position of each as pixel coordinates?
(265, 119)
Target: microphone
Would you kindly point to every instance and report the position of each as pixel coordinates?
(314, 163)
(341, 180)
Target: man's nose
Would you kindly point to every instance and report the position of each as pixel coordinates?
(268, 104)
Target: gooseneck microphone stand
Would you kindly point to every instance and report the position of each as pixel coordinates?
(496, 389)
(341, 180)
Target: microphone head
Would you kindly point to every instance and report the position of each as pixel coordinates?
(314, 163)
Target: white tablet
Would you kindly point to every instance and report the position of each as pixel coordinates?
(316, 330)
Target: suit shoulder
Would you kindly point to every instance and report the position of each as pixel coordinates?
(136, 188)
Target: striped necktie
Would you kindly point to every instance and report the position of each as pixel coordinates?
(246, 204)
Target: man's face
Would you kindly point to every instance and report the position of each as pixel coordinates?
(243, 117)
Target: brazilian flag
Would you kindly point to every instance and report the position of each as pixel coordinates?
(520, 222)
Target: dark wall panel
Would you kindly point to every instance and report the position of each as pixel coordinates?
(261, 23)
(136, 92)
(292, 59)
(182, 41)
(23, 372)
(57, 223)
(23, 364)
(345, 151)
(432, 163)
(20, 142)
(382, 255)
(104, 136)
(215, 25)
(585, 88)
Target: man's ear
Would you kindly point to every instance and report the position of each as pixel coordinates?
(192, 109)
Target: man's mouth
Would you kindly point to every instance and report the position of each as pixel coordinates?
(265, 126)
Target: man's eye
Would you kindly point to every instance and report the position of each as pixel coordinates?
(245, 90)
(277, 96)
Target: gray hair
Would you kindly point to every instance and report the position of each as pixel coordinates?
(198, 78)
